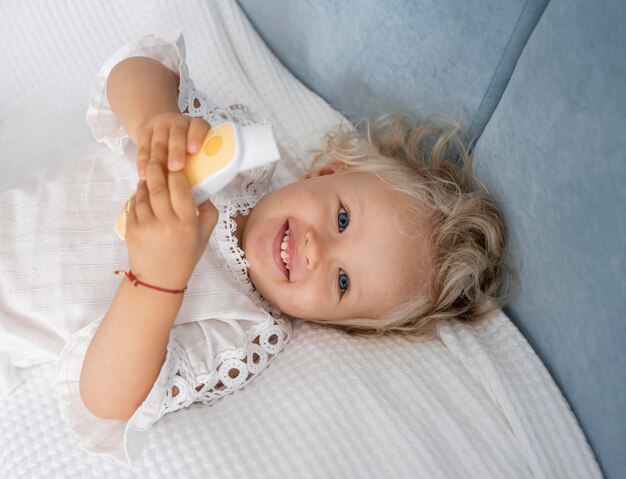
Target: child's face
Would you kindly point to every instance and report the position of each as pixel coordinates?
(346, 258)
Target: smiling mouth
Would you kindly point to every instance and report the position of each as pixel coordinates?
(281, 257)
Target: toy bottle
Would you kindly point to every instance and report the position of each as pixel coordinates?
(227, 150)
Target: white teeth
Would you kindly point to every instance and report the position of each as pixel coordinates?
(285, 257)
(283, 246)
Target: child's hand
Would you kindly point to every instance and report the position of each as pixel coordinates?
(164, 235)
(168, 138)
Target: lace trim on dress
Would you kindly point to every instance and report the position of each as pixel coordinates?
(234, 368)
(197, 104)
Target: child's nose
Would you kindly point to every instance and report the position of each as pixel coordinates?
(311, 250)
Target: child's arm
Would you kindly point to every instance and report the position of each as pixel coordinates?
(143, 93)
(165, 239)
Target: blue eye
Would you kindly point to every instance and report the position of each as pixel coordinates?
(343, 219)
(344, 282)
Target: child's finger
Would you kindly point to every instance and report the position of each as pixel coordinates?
(180, 195)
(198, 129)
(140, 207)
(158, 191)
(131, 213)
(207, 216)
(159, 145)
(177, 144)
(143, 153)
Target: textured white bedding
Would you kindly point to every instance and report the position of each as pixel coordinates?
(477, 403)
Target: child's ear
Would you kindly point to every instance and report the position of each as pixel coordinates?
(323, 171)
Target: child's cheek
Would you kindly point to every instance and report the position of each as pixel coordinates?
(305, 303)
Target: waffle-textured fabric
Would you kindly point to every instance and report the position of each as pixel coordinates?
(474, 403)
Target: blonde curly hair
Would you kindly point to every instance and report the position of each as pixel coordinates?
(431, 163)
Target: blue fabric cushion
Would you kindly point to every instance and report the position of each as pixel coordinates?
(553, 153)
(422, 57)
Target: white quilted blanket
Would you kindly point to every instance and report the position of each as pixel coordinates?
(476, 403)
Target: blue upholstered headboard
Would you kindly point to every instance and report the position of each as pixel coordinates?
(541, 85)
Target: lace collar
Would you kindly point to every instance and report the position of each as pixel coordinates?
(239, 197)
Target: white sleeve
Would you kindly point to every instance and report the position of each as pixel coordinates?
(169, 49)
(205, 360)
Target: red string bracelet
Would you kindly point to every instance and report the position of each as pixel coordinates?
(133, 279)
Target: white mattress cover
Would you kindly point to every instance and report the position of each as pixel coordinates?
(477, 403)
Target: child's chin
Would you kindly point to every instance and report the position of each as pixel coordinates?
(283, 308)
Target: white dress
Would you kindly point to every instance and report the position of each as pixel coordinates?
(57, 262)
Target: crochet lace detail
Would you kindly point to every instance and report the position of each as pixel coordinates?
(197, 104)
(234, 368)
(237, 367)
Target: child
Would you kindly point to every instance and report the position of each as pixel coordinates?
(387, 233)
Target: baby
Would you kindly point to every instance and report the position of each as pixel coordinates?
(389, 232)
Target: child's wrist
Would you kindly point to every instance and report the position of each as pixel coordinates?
(137, 282)
(169, 274)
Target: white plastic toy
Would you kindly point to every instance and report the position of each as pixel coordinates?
(227, 149)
